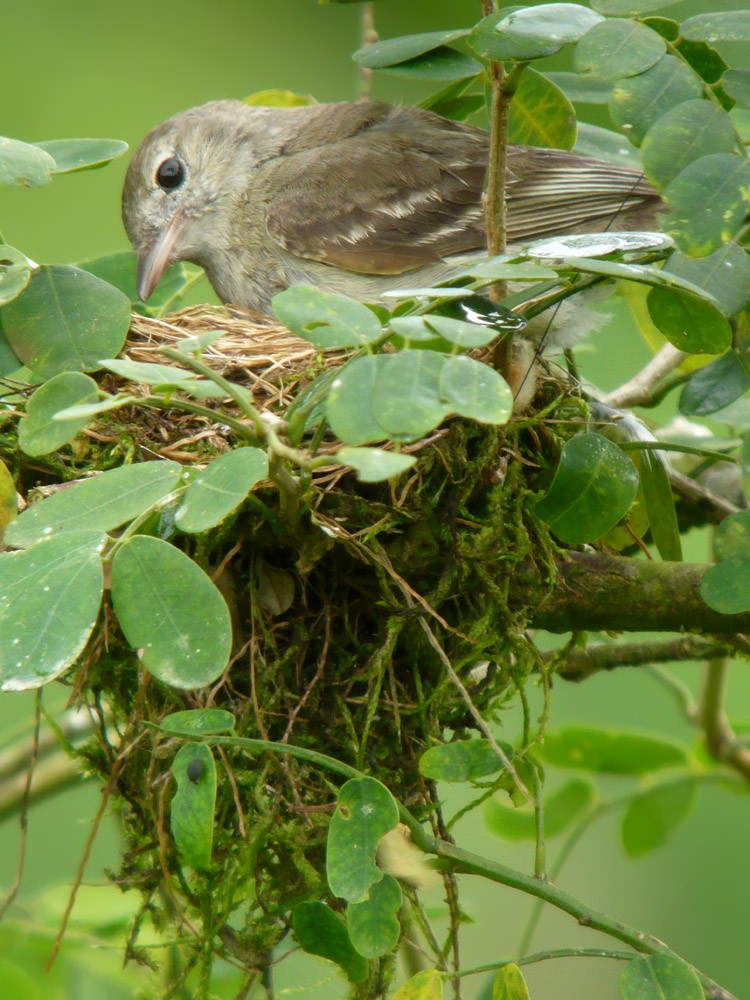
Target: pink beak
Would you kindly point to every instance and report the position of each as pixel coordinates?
(153, 265)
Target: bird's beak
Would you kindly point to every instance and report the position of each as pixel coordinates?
(153, 263)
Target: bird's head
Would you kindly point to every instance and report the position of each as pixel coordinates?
(183, 184)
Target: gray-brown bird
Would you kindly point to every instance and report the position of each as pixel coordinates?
(354, 198)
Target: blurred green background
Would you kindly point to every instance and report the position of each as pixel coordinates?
(91, 69)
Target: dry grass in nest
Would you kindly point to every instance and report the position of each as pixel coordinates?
(255, 351)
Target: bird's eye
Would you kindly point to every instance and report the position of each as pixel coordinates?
(170, 174)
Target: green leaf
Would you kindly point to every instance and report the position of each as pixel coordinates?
(8, 499)
(219, 489)
(439, 64)
(659, 501)
(489, 43)
(365, 811)
(685, 133)
(630, 8)
(690, 323)
(452, 102)
(349, 403)
(441, 331)
(714, 386)
(726, 586)
(732, 536)
(194, 803)
(498, 269)
(49, 602)
(373, 465)
(198, 722)
(391, 51)
(561, 808)
(541, 114)
(651, 817)
(719, 26)
(708, 202)
(618, 48)
(81, 154)
(578, 90)
(373, 922)
(406, 398)
(13, 279)
(594, 486)
(463, 760)
(328, 321)
(38, 434)
(724, 274)
(736, 83)
(104, 502)
(610, 751)
(148, 373)
(322, 932)
(119, 269)
(425, 985)
(509, 984)
(534, 32)
(65, 320)
(606, 145)
(659, 977)
(172, 612)
(638, 101)
(275, 98)
(24, 164)
(474, 390)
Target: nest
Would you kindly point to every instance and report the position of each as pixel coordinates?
(255, 352)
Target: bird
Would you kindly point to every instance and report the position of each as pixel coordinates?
(354, 198)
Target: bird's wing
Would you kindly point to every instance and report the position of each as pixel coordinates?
(391, 190)
(383, 190)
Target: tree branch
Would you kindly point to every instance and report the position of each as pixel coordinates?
(598, 592)
(581, 664)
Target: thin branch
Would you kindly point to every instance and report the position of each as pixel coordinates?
(721, 740)
(367, 35)
(642, 388)
(544, 956)
(581, 664)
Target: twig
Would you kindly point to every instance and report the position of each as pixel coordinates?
(639, 390)
(721, 740)
(544, 956)
(24, 816)
(367, 35)
(581, 664)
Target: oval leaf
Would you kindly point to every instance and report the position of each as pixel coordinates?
(22, 163)
(724, 274)
(171, 611)
(650, 818)
(594, 486)
(659, 501)
(541, 114)
(38, 434)
(49, 603)
(373, 465)
(715, 386)
(561, 808)
(391, 51)
(473, 390)
(610, 751)
(8, 499)
(219, 489)
(198, 722)
(618, 48)
(630, 8)
(373, 923)
(638, 101)
(365, 811)
(732, 536)
(349, 404)
(13, 279)
(426, 985)
(509, 984)
(328, 321)
(104, 502)
(192, 810)
(439, 64)
(685, 133)
(708, 202)
(726, 586)
(322, 932)
(65, 320)
(82, 154)
(120, 270)
(720, 26)
(690, 323)
(660, 977)
(406, 398)
(464, 760)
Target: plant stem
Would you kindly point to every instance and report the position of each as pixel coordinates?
(544, 956)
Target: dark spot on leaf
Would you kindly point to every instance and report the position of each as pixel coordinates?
(195, 770)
